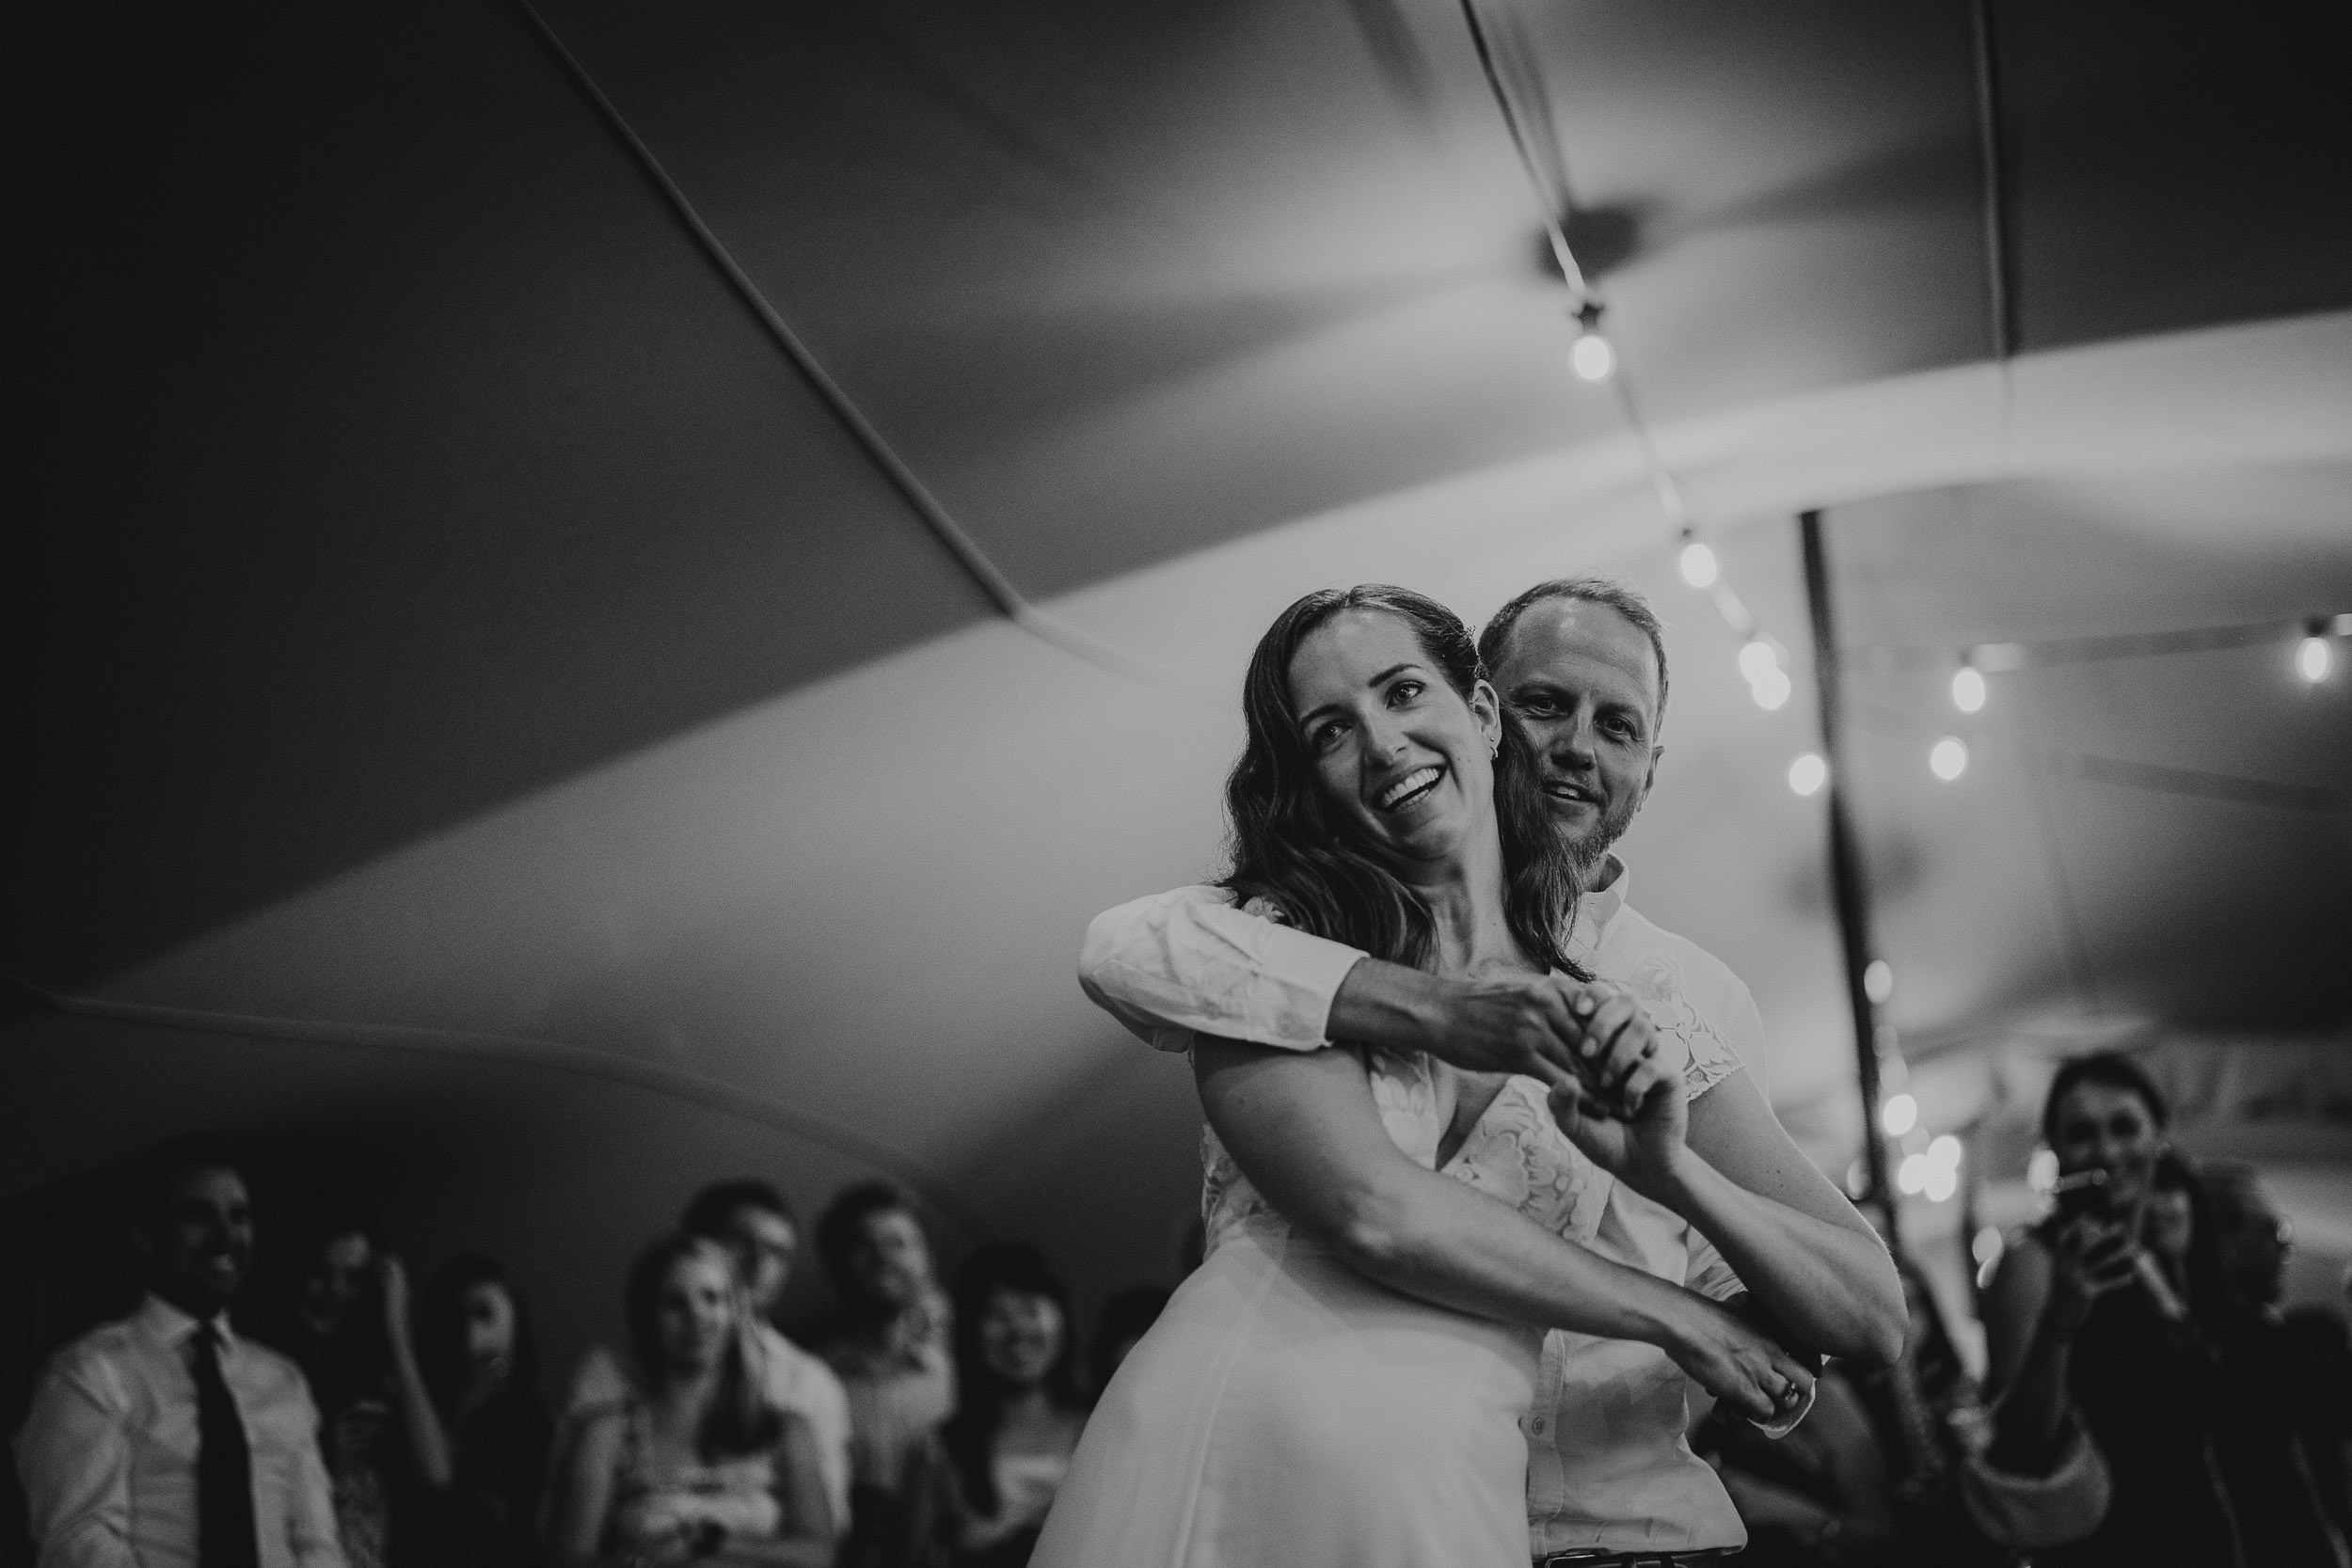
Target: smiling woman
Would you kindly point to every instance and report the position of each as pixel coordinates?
(1343, 1380)
(1328, 815)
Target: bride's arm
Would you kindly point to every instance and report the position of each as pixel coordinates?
(1801, 1250)
(1304, 1129)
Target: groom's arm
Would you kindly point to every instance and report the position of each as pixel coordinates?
(1188, 963)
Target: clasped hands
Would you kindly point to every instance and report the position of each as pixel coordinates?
(1614, 1081)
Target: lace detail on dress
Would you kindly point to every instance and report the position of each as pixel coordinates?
(1518, 1155)
(1657, 980)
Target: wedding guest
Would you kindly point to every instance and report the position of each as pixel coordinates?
(754, 1221)
(350, 1334)
(2270, 1420)
(169, 1439)
(693, 1462)
(978, 1492)
(892, 1353)
(480, 1369)
(2075, 1328)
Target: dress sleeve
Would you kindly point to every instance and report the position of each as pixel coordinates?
(1664, 993)
(1188, 963)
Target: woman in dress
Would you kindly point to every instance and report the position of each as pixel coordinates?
(979, 1491)
(1342, 1381)
(350, 1334)
(482, 1370)
(697, 1465)
(2076, 1330)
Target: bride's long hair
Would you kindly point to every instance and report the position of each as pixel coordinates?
(1290, 849)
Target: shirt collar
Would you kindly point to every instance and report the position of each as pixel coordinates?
(1603, 905)
(167, 1325)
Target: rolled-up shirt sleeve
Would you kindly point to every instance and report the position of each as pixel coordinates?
(1188, 963)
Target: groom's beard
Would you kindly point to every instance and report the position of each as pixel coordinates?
(1590, 849)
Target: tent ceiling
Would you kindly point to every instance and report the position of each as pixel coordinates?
(447, 611)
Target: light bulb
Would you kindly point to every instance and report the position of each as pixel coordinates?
(1899, 1115)
(1985, 1247)
(1950, 759)
(2042, 1171)
(1912, 1175)
(1771, 691)
(1944, 1153)
(1808, 773)
(1591, 358)
(1967, 688)
(1941, 1183)
(2312, 659)
(1756, 659)
(1877, 981)
(1699, 566)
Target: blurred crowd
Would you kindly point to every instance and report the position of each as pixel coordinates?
(2146, 1399)
(374, 1424)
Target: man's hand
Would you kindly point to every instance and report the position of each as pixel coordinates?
(1502, 1023)
(1743, 1368)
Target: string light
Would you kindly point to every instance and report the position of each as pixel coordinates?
(1968, 689)
(1948, 759)
(1591, 356)
(1767, 683)
(1912, 1175)
(2313, 657)
(1877, 981)
(1699, 566)
(1808, 773)
(1986, 1249)
(1899, 1115)
(1943, 1172)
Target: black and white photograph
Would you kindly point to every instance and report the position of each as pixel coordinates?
(1243, 784)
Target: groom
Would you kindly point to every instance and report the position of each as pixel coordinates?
(1580, 665)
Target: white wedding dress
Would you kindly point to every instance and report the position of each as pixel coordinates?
(1285, 1412)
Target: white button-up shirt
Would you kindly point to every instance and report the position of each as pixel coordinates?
(1608, 1463)
(108, 1452)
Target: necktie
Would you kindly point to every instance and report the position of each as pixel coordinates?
(223, 1466)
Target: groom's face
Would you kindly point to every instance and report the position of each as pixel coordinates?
(1582, 681)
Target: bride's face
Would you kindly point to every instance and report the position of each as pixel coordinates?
(1396, 750)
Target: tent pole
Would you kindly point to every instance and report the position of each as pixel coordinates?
(1848, 885)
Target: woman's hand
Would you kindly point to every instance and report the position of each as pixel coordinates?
(2089, 1258)
(1620, 1054)
(1633, 1118)
(1735, 1362)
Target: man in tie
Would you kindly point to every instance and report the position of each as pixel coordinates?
(165, 1439)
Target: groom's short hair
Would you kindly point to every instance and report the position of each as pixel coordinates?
(1626, 600)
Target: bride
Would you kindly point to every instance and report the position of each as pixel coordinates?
(1342, 1381)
